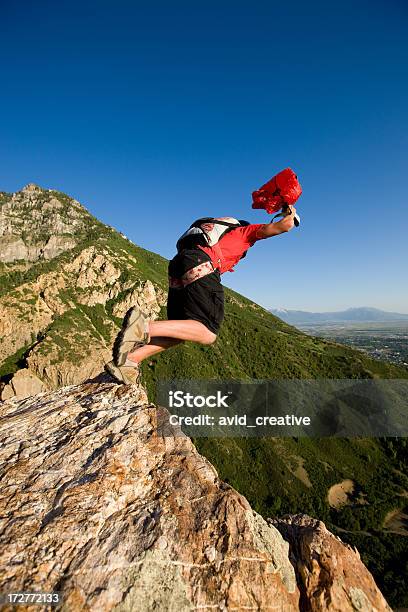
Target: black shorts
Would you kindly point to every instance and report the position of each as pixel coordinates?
(201, 300)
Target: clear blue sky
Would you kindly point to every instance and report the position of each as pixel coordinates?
(156, 113)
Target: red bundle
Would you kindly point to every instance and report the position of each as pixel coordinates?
(283, 188)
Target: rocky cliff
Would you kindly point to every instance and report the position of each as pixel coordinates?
(56, 317)
(65, 285)
(38, 223)
(97, 506)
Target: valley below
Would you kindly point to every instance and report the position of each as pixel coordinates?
(386, 341)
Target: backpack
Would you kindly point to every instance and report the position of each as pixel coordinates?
(208, 231)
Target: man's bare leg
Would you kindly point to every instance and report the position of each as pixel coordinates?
(182, 330)
(156, 345)
(165, 334)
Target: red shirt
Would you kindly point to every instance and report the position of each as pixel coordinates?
(229, 250)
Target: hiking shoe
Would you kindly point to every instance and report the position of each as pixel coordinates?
(133, 334)
(127, 375)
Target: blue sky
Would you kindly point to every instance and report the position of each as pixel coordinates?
(153, 114)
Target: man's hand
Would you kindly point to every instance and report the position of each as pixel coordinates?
(274, 229)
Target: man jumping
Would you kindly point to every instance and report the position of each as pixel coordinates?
(195, 305)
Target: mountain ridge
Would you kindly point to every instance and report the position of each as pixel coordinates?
(38, 223)
(353, 314)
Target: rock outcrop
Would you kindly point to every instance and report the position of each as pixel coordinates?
(60, 307)
(37, 223)
(97, 506)
(79, 350)
(330, 574)
(59, 320)
(23, 384)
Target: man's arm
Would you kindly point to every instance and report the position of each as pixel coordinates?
(274, 229)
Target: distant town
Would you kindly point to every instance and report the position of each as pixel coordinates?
(386, 341)
(381, 334)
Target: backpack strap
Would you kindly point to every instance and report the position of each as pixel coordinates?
(196, 235)
(200, 222)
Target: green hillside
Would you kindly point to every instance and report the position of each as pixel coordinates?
(278, 476)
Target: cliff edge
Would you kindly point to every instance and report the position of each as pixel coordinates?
(95, 505)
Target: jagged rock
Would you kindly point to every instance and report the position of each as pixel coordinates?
(31, 188)
(92, 268)
(15, 249)
(23, 384)
(55, 373)
(97, 506)
(146, 296)
(37, 304)
(36, 224)
(331, 575)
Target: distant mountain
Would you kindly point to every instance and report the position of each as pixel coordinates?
(351, 315)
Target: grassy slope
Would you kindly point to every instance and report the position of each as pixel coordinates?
(255, 344)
